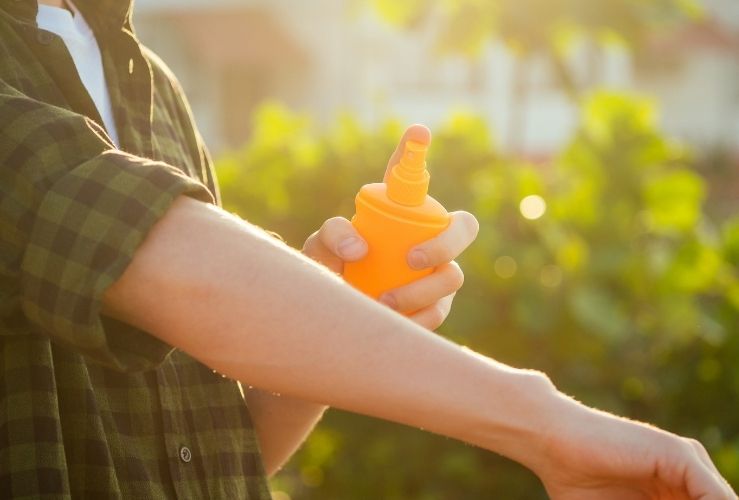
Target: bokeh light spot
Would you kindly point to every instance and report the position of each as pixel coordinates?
(533, 207)
(551, 276)
(505, 267)
(311, 476)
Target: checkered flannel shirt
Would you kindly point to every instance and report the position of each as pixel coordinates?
(90, 407)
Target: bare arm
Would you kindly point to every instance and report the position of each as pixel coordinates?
(255, 310)
(278, 321)
(282, 424)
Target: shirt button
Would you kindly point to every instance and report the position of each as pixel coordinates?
(44, 37)
(185, 454)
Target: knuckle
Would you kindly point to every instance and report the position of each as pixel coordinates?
(697, 445)
(332, 224)
(437, 314)
(442, 253)
(311, 242)
(688, 446)
(397, 300)
(452, 279)
(333, 231)
(456, 276)
(470, 223)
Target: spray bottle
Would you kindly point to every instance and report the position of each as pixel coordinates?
(393, 217)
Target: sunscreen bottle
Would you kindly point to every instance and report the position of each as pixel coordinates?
(393, 217)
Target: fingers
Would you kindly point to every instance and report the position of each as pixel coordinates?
(339, 236)
(705, 459)
(694, 475)
(461, 232)
(314, 249)
(703, 455)
(702, 483)
(335, 243)
(416, 133)
(433, 316)
(426, 291)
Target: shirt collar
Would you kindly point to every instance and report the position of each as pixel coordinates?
(102, 14)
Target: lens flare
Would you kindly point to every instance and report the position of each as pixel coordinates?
(533, 207)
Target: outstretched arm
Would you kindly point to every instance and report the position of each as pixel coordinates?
(252, 308)
(248, 306)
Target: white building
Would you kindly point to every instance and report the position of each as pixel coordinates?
(321, 57)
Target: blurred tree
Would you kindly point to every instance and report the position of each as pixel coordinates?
(538, 29)
(534, 26)
(603, 270)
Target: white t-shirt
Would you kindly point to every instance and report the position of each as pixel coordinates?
(82, 46)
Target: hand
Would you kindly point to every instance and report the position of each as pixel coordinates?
(431, 297)
(591, 454)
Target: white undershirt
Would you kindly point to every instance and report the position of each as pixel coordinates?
(82, 46)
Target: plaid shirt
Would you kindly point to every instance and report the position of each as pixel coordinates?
(90, 407)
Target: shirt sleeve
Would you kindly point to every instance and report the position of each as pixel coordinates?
(73, 211)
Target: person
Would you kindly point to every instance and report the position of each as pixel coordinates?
(131, 305)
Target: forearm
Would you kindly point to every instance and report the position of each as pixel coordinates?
(257, 311)
(282, 424)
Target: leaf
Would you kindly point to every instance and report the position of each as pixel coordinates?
(599, 312)
(673, 201)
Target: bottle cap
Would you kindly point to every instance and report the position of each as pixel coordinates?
(408, 182)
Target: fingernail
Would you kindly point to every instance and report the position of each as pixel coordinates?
(389, 301)
(351, 248)
(418, 259)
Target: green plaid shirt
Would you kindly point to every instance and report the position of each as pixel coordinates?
(90, 407)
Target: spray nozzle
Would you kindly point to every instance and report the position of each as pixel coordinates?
(408, 182)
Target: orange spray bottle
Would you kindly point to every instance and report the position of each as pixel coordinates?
(393, 217)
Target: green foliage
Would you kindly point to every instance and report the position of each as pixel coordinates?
(623, 290)
(290, 176)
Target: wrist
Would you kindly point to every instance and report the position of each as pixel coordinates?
(520, 423)
(560, 425)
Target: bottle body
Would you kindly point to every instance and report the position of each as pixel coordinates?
(391, 231)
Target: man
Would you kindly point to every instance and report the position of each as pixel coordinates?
(112, 255)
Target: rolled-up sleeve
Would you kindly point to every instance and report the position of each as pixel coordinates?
(73, 212)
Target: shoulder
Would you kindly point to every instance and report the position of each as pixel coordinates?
(172, 107)
(164, 78)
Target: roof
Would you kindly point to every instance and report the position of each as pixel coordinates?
(708, 33)
(236, 36)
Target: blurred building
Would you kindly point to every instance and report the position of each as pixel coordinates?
(694, 73)
(324, 57)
